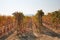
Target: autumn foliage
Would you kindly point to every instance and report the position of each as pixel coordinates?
(19, 21)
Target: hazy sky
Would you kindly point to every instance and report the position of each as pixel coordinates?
(7, 7)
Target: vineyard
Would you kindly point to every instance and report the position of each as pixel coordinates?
(30, 27)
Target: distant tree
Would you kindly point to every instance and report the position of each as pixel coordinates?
(39, 15)
(55, 16)
(19, 17)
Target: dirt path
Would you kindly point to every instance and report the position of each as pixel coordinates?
(13, 36)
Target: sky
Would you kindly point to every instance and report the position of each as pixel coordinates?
(28, 7)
